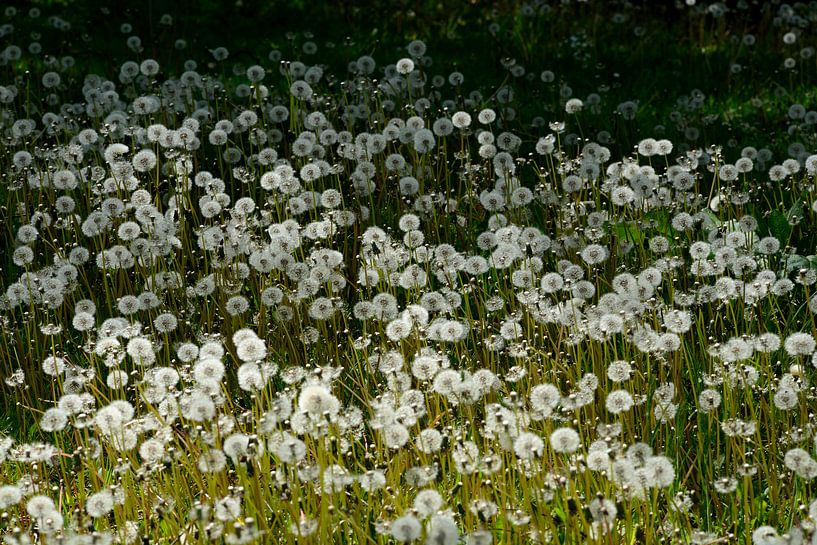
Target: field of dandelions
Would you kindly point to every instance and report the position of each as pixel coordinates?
(323, 294)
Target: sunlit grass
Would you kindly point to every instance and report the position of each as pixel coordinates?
(436, 294)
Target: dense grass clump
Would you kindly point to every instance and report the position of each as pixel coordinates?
(536, 273)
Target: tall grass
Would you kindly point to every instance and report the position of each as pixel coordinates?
(325, 299)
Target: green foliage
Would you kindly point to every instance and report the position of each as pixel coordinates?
(696, 83)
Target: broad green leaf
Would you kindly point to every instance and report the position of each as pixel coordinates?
(779, 226)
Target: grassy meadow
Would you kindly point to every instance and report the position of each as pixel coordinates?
(408, 272)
